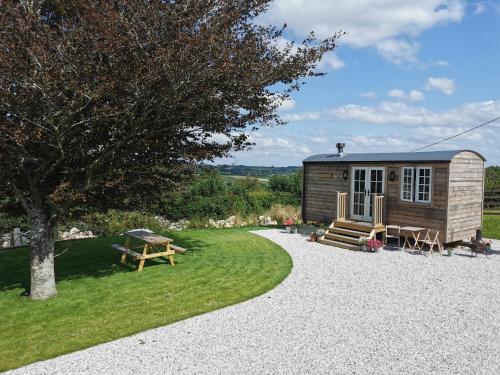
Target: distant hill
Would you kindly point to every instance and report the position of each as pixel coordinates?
(254, 171)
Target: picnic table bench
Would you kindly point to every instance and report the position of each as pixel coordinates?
(150, 242)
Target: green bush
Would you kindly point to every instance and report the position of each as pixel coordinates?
(116, 222)
(9, 222)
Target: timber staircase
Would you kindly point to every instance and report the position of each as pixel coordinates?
(346, 234)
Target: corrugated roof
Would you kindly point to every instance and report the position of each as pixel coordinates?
(427, 156)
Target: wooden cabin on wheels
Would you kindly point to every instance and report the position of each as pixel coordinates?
(361, 193)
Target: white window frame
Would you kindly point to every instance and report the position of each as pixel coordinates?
(412, 183)
(417, 184)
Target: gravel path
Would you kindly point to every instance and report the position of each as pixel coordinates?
(339, 312)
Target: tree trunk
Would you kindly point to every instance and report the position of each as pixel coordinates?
(43, 283)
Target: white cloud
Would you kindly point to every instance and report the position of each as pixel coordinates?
(301, 116)
(416, 95)
(277, 146)
(412, 96)
(468, 114)
(396, 93)
(367, 22)
(331, 61)
(384, 24)
(440, 63)
(479, 8)
(287, 104)
(399, 51)
(443, 84)
(368, 95)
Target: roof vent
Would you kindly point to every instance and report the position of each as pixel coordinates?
(340, 148)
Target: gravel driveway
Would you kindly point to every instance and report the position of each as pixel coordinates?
(339, 312)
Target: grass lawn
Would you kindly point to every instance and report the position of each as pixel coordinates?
(491, 224)
(99, 300)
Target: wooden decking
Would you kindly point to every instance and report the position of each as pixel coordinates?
(346, 233)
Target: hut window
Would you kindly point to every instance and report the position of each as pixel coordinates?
(416, 184)
(424, 177)
(407, 185)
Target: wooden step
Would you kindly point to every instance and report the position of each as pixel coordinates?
(341, 238)
(358, 226)
(338, 244)
(348, 232)
(353, 226)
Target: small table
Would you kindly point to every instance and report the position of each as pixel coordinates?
(152, 241)
(411, 232)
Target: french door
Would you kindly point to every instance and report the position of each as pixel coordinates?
(364, 183)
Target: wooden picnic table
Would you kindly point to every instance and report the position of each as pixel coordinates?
(409, 233)
(153, 246)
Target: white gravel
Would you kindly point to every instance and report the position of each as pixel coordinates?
(339, 312)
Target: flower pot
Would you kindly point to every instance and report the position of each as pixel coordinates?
(288, 229)
(450, 252)
(363, 247)
(295, 230)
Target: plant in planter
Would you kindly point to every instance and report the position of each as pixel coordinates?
(289, 225)
(313, 237)
(362, 243)
(320, 233)
(374, 245)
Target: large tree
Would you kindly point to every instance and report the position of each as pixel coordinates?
(122, 95)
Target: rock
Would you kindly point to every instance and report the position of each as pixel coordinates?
(6, 240)
(76, 234)
(231, 220)
(17, 237)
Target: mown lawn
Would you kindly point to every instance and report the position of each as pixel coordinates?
(491, 224)
(99, 300)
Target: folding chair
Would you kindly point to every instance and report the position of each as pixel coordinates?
(392, 232)
(432, 239)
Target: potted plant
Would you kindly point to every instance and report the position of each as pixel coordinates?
(362, 243)
(320, 233)
(374, 245)
(289, 225)
(450, 251)
(313, 237)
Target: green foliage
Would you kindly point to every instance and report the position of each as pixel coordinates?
(492, 178)
(287, 184)
(208, 195)
(100, 301)
(11, 215)
(116, 222)
(212, 196)
(9, 222)
(245, 170)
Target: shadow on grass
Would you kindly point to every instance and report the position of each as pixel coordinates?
(83, 258)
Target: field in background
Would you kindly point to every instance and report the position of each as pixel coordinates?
(491, 224)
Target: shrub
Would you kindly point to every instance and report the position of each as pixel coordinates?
(9, 222)
(115, 222)
(281, 213)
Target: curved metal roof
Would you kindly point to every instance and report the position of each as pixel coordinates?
(426, 156)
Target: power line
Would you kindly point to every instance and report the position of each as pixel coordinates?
(457, 135)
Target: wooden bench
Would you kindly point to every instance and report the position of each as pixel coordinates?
(123, 249)
(178, 249)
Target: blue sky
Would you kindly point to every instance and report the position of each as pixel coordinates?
(407, 74)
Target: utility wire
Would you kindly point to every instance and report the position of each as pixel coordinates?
(457, 135)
